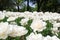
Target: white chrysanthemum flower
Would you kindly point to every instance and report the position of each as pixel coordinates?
(55, 38)
(33, 36)
(17, 31)
(2, 16)
(30, 16)
(26, 12)
(10, 14)
(13, 23)
(48, 38)
(55, 30)
(21, 15)
(11, 18)
(4, 30)
(46, 13)
(44, 17)
(24, 21)
(4, 11)
(52, 21)
(38, 25)
(40, 14)
(56, 25)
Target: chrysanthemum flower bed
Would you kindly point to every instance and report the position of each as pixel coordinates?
(29, 26)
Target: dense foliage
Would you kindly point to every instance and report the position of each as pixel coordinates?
(40, 5)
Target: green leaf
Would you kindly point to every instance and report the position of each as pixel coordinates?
(18, 21)
(5, 19)
(49, 25)
(47, 32)
(58, 35)
(28, 27)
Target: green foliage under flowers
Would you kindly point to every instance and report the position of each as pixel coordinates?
(4, 20)
(28, 27)
(18, 21)
(11, 38)
(59, 35)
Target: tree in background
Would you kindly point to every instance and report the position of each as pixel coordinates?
(3, 4)
(48, 5)
(41, 5)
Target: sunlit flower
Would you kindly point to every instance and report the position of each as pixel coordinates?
(11, 18)
(55, 38)
(4, 30)
(24, 21)
(56, 25)
(55, 29)
(17, 31)
(2, 16)
(38, 25)
(48, 38)
(33, 36)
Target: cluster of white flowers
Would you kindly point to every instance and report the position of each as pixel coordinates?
(4, 30)
(17, 24)
(33, 36)
(11, 30)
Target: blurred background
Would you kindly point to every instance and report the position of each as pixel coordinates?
(30, 5)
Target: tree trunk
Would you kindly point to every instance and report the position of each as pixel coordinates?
(27, 5)
(38, 5)
(18, 8)
(18, 5)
